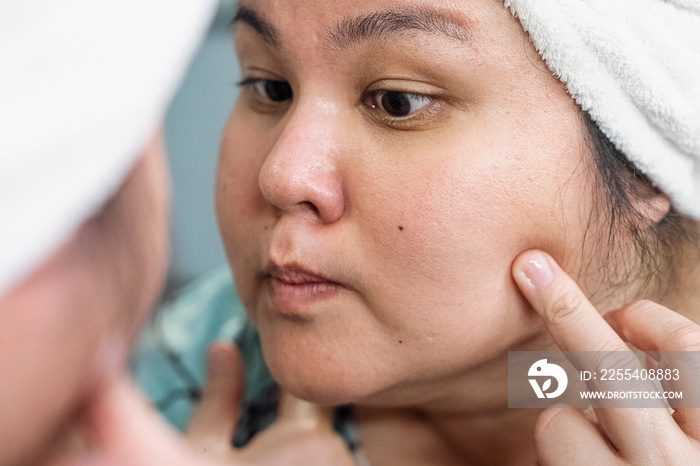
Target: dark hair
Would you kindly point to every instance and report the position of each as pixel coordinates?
(652, 253)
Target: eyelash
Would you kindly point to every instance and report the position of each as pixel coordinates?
(258, 98)
(372, 100)
(375, 100)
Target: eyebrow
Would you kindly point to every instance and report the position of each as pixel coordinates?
(381, 25)
(267, 31)
(384, 25)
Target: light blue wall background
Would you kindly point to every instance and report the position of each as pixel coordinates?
(193, 127)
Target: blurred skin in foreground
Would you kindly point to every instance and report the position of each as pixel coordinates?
(66, 328)
(64, 338)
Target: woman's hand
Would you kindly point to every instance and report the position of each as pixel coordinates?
(120, 428)
(624, 435)
(302, 435)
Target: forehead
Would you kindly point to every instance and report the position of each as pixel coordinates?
(338, 25)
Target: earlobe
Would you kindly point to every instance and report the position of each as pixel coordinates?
(652, 206)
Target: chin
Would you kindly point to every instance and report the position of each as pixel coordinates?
(342, 381)
(329, 379)
(321, 385)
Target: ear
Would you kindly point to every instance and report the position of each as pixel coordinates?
(651, 204)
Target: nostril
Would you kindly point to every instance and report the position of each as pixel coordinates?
(311, 206)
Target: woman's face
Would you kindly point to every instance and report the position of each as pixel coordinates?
(384, 164)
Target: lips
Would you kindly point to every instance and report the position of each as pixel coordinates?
(294, 289)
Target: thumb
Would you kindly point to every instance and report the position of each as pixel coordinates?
(304, 414)
(214, 420)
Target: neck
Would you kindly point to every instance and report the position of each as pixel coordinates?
(496, 437)
(469, 418)
(489, 432)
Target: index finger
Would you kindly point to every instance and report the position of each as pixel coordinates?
(303, 413)
(571, 319)
(576, 325)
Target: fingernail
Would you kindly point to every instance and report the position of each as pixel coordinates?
(537, 269)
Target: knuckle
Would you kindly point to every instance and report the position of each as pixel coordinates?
(606, 344)
(564, 306)
(641, 306)
(617, 360)
(681, 334)
(685, 337)
(624, 316)
(548, 422)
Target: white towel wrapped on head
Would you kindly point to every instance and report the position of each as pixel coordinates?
(634, 65)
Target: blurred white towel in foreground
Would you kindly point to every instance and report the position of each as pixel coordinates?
(83, 86)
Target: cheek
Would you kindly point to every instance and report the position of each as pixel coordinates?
(444, 235)
(240, 206)
(243, 149)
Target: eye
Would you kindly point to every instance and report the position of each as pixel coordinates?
(268, 89)
(397, 103)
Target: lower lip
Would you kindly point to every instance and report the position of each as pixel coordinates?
(295, 298)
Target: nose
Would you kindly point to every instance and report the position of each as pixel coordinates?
(301, 171)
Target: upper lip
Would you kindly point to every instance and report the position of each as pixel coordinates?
(295, 274)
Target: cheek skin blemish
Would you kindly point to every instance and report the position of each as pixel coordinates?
(400, 228)
(400, 341)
